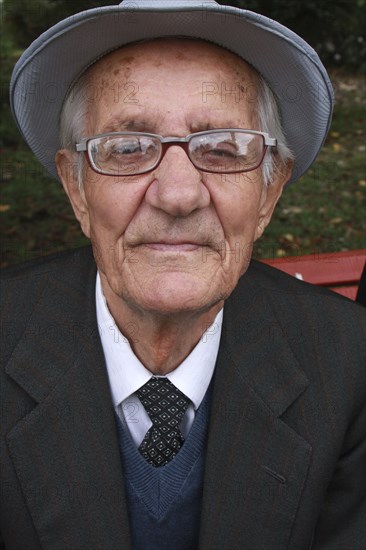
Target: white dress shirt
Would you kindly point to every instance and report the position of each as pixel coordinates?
(127, 374)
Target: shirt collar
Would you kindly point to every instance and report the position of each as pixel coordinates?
(127, 374)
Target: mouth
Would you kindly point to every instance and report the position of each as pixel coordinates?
(173, 246)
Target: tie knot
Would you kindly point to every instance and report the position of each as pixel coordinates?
(163, 402)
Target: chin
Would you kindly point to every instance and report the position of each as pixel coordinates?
(161, 293)
(169, 296)
(168, 308)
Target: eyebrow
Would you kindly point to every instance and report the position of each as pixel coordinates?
(133, 125)
(128, 125)
(201, 127)
(206, 127)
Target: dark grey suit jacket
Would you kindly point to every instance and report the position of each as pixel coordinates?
(285, 465)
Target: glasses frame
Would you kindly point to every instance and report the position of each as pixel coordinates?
(84, 146)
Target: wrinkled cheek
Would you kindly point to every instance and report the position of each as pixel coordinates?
(246, 255)
(238, 251)
(107, 249)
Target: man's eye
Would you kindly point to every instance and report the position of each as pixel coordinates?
(121, 149)
(222, 152)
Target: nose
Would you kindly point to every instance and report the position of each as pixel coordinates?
(178, 187)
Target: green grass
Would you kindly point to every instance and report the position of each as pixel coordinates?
(323, 212)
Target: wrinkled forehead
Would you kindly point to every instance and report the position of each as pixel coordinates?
(170, 53)
(148, 78)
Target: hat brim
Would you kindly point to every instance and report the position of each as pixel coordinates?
(293, 70)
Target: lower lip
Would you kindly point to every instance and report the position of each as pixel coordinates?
(164, 247)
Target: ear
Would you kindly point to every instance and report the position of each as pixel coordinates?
(270, 195)
(67, 168)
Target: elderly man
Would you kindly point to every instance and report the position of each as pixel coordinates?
(162, 391)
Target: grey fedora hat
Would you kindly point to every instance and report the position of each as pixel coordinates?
(44, 73)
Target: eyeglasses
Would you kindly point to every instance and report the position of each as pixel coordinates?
(224, 151)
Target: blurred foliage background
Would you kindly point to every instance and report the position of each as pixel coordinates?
(323, 212)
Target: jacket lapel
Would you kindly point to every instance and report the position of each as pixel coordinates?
(65, 451)
(256, 465)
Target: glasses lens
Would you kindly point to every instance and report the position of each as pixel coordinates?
(124, 155)
(227, 151)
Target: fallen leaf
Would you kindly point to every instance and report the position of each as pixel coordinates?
(6, 176)
(335, 221)
(362, 183)
(4, 207)
(280, 252)
(292, 210)
(336, 147)
(335, 134)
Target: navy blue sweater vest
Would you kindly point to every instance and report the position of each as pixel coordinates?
(164, 504)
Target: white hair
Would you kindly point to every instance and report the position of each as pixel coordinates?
(73, 120)
(269, 121)
(75, 110)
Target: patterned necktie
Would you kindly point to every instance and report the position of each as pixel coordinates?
(166, 406)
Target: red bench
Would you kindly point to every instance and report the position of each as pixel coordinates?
(339, 271)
